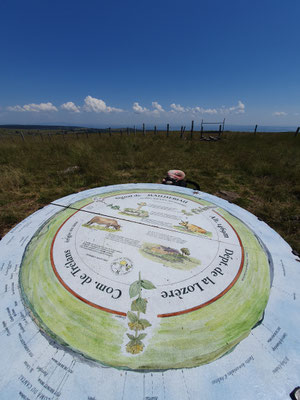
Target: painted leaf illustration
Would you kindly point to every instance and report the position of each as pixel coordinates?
(141, 336)
(132, 316)
(145, 324)
(135, 326)
(131, 337)
(147, 284)
(139, 325)
(139, 305)
(134, 289)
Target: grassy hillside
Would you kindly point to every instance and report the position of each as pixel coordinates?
(262, 170)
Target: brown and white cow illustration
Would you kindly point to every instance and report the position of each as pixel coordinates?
(108, 222)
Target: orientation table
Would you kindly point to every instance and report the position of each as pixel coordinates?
(148, 292)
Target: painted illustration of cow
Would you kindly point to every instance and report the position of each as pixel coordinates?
(108, 222)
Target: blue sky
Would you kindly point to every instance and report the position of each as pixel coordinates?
(126, 62)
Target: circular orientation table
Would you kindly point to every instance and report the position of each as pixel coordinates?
(149, 292)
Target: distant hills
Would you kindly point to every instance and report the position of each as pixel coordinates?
(42, 127)
(91, 128)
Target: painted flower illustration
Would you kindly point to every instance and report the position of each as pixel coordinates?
(136, 323)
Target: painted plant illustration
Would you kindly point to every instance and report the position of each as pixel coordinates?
(136, 323)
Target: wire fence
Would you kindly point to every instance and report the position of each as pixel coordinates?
(208, 131)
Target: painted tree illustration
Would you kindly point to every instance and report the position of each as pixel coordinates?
(140, 205)
(136, 323)
(185, 251)
(186, 212)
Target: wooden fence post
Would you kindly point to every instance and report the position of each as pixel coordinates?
(22, 136)
(192, 129)
(109, 130)
(168, 129)
(143, 129)
(181, 131)
(127, 131)
(255, 129)
(155, 130)
(220, 130)
(297, 131)
(121, 132)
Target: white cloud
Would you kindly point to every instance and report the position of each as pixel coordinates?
(92, 104)
(15, 108)
(98, 106)
(204, 110)
(34, 107)
(279, 113)
(239, 109)
(40, 107)
(194, 110)
(139, 109)
(70, 106)
(177, 108)
(157, 107)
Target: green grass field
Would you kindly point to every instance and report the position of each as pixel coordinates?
(263, 170)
